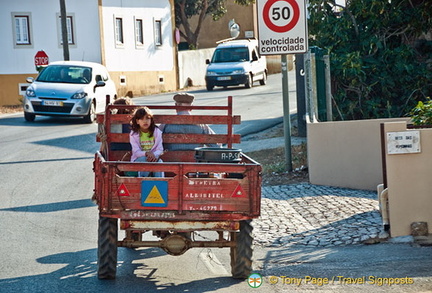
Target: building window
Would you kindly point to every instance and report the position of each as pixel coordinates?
(22, 30)
(70, 30)
(158, 32)
(139, 37)
(119, 31)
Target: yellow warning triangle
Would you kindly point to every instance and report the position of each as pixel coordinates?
(154, 196)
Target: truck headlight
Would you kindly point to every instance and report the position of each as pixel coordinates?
(238, 71)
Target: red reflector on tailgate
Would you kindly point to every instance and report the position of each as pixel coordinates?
(123, 191)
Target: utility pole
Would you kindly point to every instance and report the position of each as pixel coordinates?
(65, 41)
(286, 110)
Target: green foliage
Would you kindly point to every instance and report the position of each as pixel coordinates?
(380, 62)
(185, 9)
(422, 113)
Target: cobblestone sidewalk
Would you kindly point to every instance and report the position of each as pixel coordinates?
(316, 216)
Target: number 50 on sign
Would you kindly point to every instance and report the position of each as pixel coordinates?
(282, 27)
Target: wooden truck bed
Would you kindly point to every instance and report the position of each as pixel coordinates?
(190, 190)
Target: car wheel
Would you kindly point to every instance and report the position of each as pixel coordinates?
(209, 87)
(249, 82)
(30, 117)
(91, 115)
(263, 81)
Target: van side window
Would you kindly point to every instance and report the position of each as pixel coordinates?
(254, 55)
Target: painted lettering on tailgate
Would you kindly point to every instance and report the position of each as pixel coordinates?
(213, 189)
(148, 214)
(209, 195)
(208, 208)
(204, 182)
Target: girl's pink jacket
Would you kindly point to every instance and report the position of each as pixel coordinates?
(137, 152)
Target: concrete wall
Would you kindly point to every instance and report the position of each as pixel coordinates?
(346, 153)
(18, 60)
(192, 66)
(409, 183)
(146, 68)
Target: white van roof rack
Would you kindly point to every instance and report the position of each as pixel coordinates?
(234, 39)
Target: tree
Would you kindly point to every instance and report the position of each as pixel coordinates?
(381, 61)
(185, 9)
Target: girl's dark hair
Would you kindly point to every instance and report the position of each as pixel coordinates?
(139, 114)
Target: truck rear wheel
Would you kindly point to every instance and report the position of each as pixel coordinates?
(241, 254)
(107, 248)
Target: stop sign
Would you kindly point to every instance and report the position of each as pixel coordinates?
(41, 58)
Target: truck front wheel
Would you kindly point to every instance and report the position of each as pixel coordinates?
(241, 253)
(107, 248)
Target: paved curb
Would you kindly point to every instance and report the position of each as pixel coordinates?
(316, 216)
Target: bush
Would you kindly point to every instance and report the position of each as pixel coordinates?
(422, 113)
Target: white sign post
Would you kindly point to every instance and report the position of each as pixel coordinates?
(282, 27)
(282, 30)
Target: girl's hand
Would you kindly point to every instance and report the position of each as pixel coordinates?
(150, 157)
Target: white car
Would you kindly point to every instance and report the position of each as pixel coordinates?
(69, 88)
(236, 62)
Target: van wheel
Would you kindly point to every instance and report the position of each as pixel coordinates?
(209, 87)
(263, 81)
(91, 115)
(30, 117)
(249, 82)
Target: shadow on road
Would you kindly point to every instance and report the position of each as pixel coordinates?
(375, 264)
(79, 274)
(52, 207)
(18, 120)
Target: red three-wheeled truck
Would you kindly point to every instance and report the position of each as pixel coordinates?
(205, 189)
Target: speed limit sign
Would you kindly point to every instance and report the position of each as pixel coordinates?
(282, 27)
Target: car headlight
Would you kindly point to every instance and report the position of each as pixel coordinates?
(238, 71)
(211, 73)
(79, 95)
(30, 92)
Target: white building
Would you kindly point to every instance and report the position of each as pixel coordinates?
(132, 38)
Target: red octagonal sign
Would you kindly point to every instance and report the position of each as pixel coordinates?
(41, 58)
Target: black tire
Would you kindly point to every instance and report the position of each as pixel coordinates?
(107, 248)
(30, 117)
(241, 254)
(91, 115)
(249, 82)
(209, 87)
(263, 81)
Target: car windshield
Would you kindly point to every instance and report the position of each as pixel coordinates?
(66, 74)
(231, 55)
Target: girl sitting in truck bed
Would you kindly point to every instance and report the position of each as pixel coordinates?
(145, 139)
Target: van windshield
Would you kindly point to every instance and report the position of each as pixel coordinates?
(231, 55)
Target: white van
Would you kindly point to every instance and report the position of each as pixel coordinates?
(236, 62)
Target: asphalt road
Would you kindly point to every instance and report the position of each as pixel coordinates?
(260, 107)
(49, 223)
